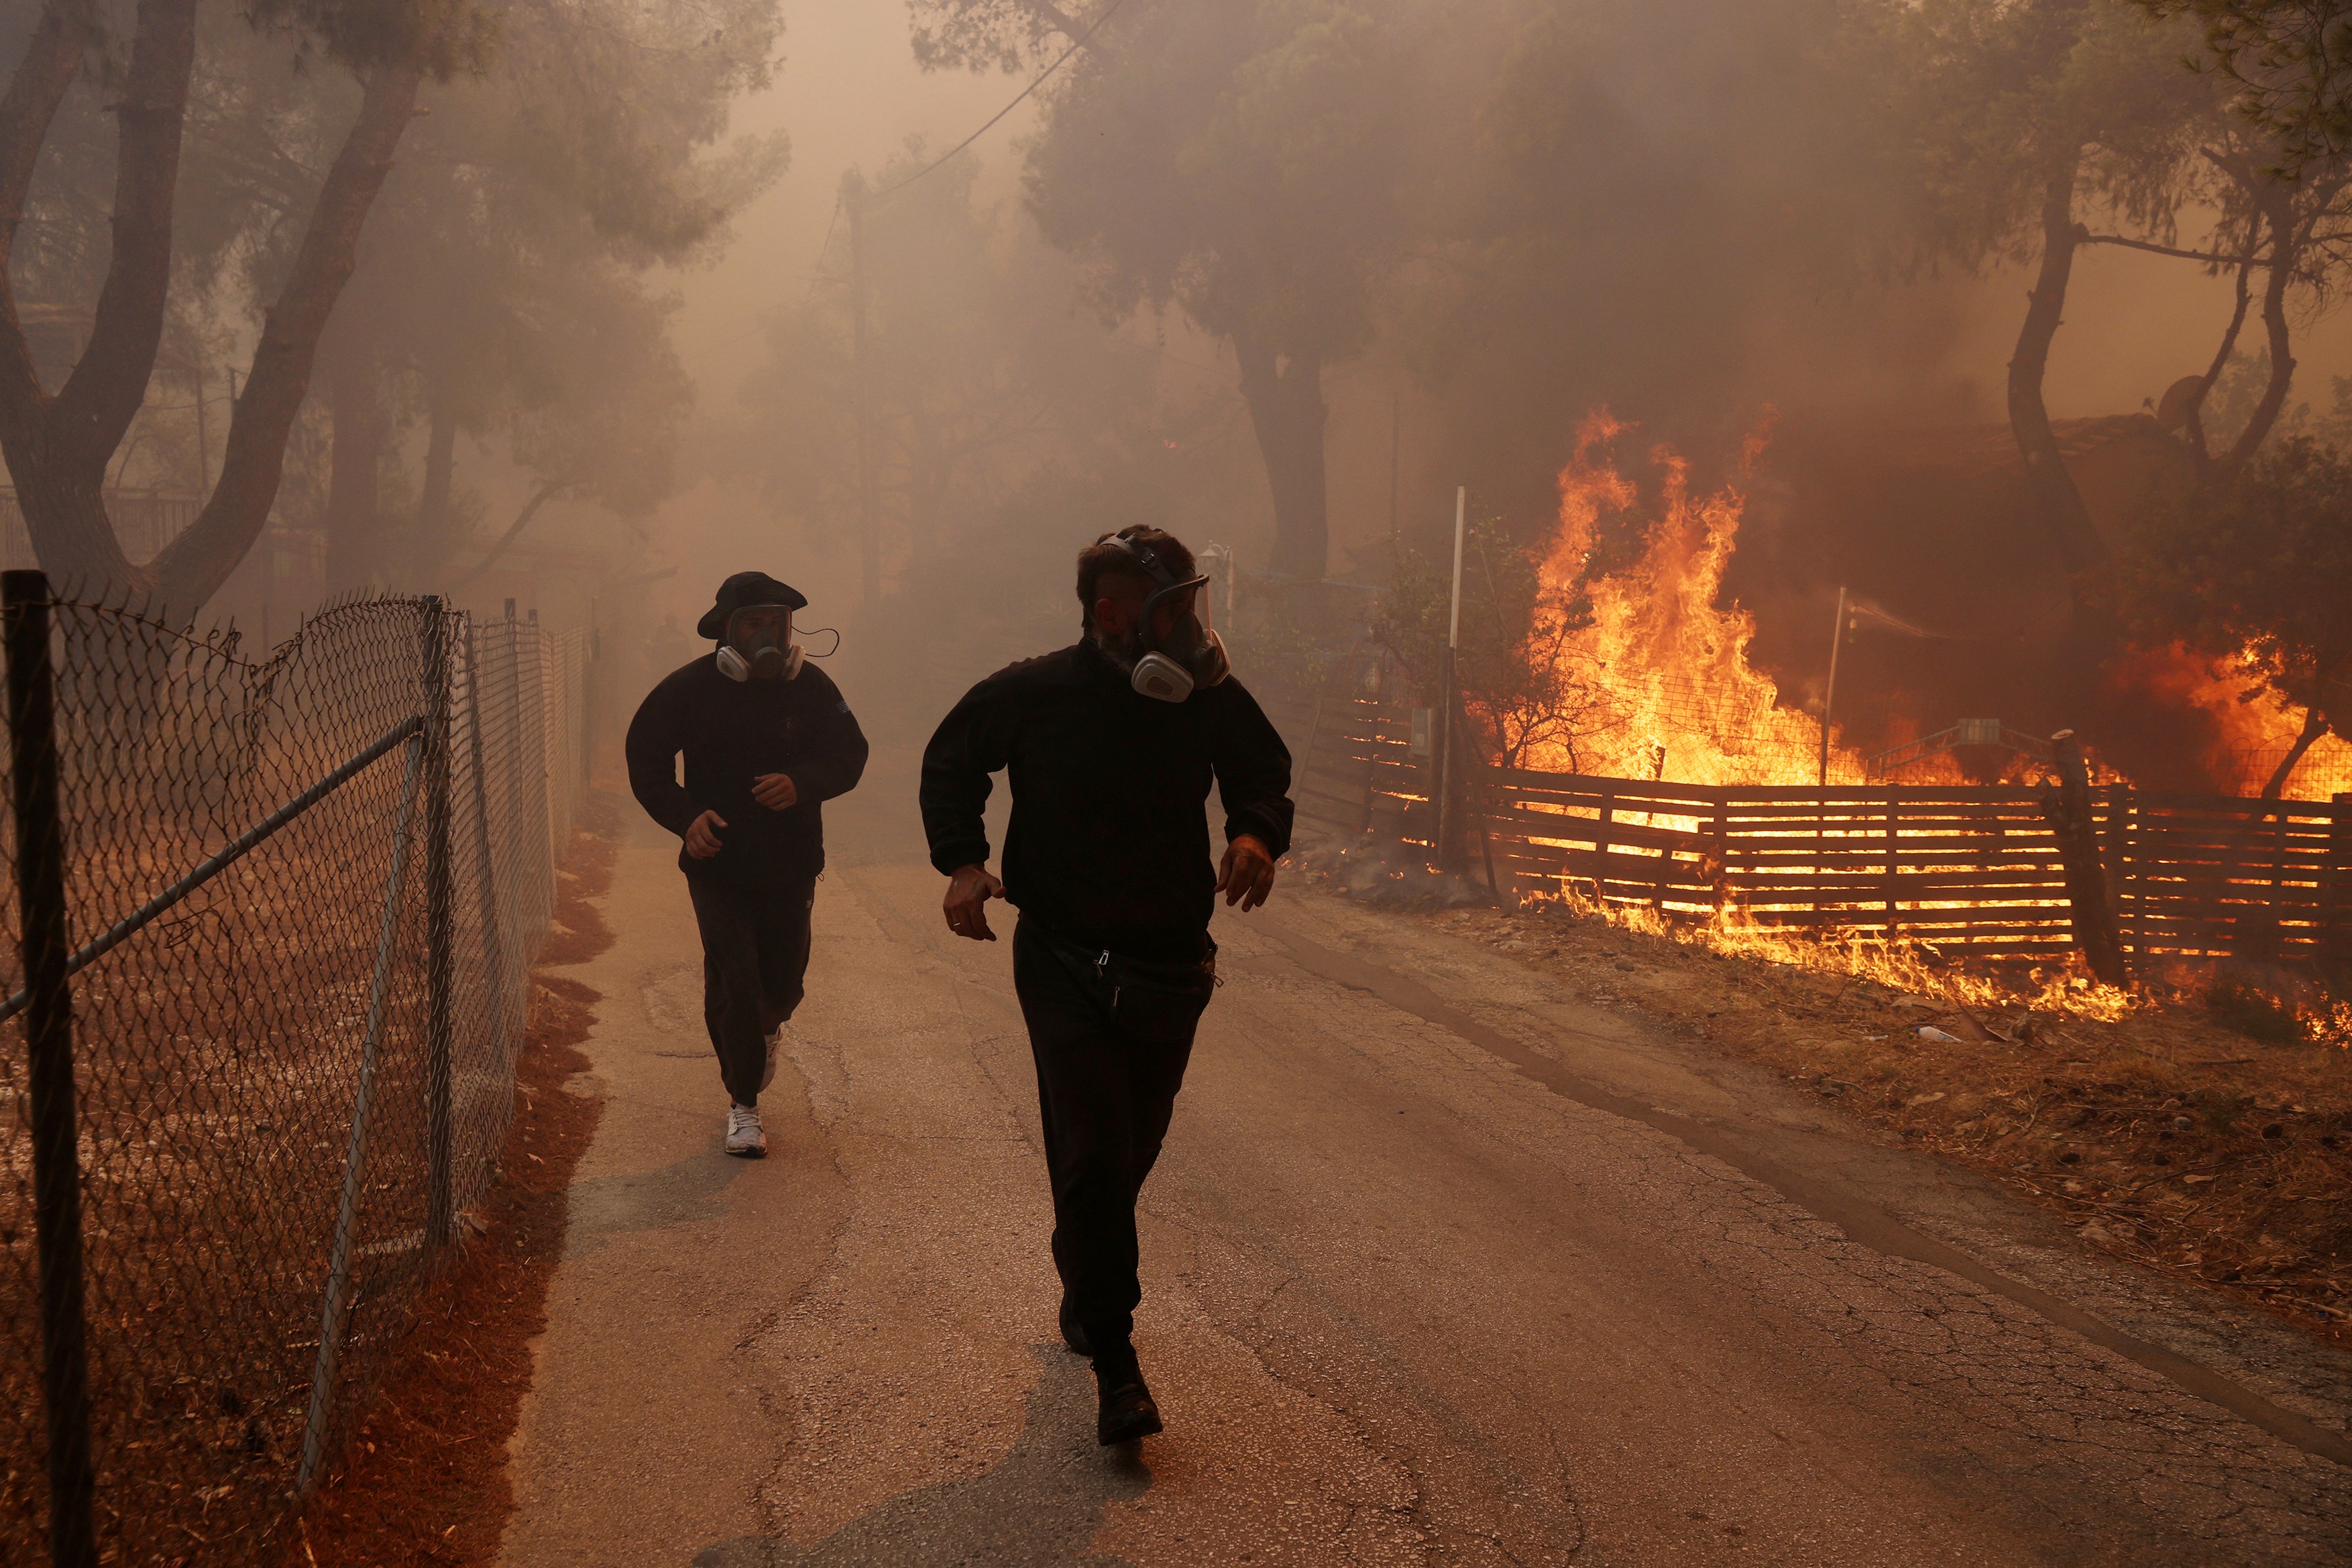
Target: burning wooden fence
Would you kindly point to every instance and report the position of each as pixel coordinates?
(1975, 871)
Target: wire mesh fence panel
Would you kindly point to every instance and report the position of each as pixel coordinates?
(302, 1069)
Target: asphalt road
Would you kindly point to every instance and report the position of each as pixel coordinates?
(1442, 1264)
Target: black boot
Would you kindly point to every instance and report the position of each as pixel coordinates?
(1124, 1409)
(1073, 1333)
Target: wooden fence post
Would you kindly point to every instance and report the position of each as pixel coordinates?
(1601, 847)
(2067, 809)
(2122, 862)
(1722, 878)
(2336, 930)
(1894, 858)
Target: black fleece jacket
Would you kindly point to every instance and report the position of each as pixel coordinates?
(1109, 845)
(731, 731)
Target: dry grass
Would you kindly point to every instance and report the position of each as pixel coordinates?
(2163, 1134)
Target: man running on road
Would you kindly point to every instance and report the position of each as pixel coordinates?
(766, 738)
(1110, 747)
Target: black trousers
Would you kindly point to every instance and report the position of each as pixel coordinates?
(1110, 1057)
(755, 954)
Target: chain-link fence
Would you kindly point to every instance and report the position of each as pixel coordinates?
(290, 906)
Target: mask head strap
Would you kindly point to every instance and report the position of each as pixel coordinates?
(1155, 567)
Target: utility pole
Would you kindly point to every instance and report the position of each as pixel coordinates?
(1829, 697)
(1396, 400)
(203, 446)
(869, 545)
(1448, 787)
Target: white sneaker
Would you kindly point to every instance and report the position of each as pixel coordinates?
(775, 1044)
(744, 1138)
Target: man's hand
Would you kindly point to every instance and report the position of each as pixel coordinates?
(968, 890)
(776, 790)
(702, 835)
(1246, 875)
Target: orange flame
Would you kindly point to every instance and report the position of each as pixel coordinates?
(2254, 729)
(1674, 693)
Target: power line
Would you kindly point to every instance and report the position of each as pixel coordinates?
(1076, 43)
(1059, 60)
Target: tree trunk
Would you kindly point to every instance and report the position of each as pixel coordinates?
(355, 467)
(2314, 725)
(193, 567)
(2067, 808)
(434, 542)
(2054, 492)
(2200, 452)
(57, 449)
(1284, 395)
(2284, 249)
(929, 468)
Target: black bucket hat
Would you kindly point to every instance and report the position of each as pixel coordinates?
(740, 592)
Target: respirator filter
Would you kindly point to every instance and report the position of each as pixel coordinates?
(760, 646)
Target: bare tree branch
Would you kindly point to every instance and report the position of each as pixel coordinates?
(2283, 251)
(546, 493)
(2155, 249)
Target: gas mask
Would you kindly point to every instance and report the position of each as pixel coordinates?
(1190, 656)
(760, 646)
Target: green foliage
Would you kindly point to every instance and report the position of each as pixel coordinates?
(1236, 158)
(1999, 94)
(2287, 67)
(1513, 662)
(2258, 565)
(443, 38)
(1283, 641)
(989, 35)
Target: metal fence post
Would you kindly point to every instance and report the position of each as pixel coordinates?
(337, 1297)
(49, 1039)
(440, 1212)
(494, 960)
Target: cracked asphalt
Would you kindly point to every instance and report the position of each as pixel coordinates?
(1440, 1266)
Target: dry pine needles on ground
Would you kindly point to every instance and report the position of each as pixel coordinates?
(424, 1480)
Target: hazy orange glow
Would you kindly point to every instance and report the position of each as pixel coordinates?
(2253, 731)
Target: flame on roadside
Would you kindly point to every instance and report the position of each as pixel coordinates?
(2048, 989)
(1666, 671)
(1669, 693)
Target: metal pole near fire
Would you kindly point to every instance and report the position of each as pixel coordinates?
(1449, 852)
(869, 548)
(49, 1068)
(1829, 697)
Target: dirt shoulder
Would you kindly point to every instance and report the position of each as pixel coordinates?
(2163, 1137)
(424, 1479)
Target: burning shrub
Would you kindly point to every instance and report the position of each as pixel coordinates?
(2234, 1002)
(1515, 664)
(2256, 567)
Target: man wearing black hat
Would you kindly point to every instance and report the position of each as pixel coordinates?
(766, 738)
(1110, 747)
